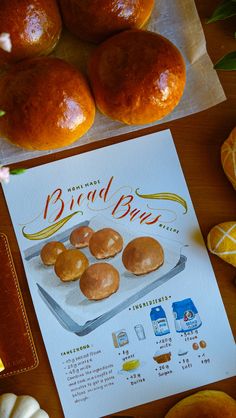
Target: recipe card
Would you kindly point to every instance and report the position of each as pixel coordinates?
(124, 291)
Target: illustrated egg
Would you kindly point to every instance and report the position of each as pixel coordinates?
(195, 346)
(203, 344)
(228, 157)
(221, 241)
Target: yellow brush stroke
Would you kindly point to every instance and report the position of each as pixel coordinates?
(1, 365)
(165, 196)
(50, 230)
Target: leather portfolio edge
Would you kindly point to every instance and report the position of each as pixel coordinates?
(35, 363)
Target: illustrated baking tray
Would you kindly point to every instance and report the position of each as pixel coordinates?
(72, 309)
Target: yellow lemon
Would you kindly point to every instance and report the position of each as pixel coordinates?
(221, 241)
(228, 157)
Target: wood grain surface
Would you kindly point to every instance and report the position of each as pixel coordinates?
(198, 139)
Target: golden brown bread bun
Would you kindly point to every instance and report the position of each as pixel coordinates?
(70, 265)
(51, 251)
(34, 27)
(96, 20)
(47, 102)
(204, 404)
(105, 243)
(137, 77)
(80, 236)
(99, 281)
(143, 255)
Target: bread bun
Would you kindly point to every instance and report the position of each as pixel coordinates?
(95, 20)
(206, 403)
(137, 77)
(47, 104)
(34, 27)
(80, 236)
(99, 281)
(105, 243)
(143, 255)
(70, 265)
(51, 251)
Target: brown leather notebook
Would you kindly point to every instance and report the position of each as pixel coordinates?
(17, 349)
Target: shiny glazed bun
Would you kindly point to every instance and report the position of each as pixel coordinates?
(51, 251)
(47, 104)
(143, 255)
(70, 265)
(137, 77)
(99, 281)
(105, 243)
(96, 20)
(206, 403)
(34, 27)
(80, 236)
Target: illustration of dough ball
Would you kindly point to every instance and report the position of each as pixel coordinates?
(105, 243)
(51, 251)
(70, 265)
(99, 281)
(143, 255)
(203, 404)
(80, 236)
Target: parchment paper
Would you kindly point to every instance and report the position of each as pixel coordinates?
(69, 295)
(178, 20)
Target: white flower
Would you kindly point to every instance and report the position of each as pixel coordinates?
(4, 174)
(5, 42)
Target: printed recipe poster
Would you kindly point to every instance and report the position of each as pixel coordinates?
(120, 278)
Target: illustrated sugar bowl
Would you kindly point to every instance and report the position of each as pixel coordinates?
(186, 315)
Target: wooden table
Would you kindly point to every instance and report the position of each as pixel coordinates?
(198, 139)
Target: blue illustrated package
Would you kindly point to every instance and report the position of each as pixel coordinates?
(159, 321)
(186, 316)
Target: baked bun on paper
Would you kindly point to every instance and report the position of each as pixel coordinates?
(47, 104)
(137, 77)
(34, 27)
(143, 255)
(105, 243)
(204, 404)
(99, 281)
(96, 20)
